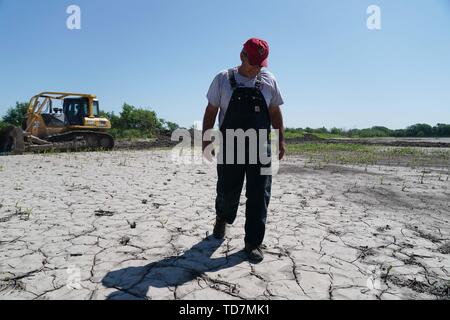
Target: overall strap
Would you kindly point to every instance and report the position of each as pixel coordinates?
(258, 83)
(232, 79)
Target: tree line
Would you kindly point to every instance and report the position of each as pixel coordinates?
(420, 130)
(133, 122)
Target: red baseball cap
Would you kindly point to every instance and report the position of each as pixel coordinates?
(257, 51)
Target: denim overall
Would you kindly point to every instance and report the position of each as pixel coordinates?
(247, 110)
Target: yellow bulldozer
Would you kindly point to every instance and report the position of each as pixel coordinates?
(75, 124)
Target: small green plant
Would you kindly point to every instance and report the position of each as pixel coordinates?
(318, 165)
(422, 177)
(404, 187)
(353, 188)
(123, 162)
(23, 213)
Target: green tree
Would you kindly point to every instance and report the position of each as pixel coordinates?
(441, 130)
(321, 130)
(134, 122)
(16, 115)
(353, 133)
(419, 130)
(399, 133)
(336, 131)
(139, 119)
(172, 126)
(382, 131)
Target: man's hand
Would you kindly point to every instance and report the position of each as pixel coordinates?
(208, 123)
(277, 122)
(282, 152)
(208, 154)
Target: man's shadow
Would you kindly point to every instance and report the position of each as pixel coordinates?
(135, 282)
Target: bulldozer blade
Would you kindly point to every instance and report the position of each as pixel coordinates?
(12, 141)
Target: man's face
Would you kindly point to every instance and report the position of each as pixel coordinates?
(253, 70)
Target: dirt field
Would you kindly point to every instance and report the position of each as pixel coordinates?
(136, 225)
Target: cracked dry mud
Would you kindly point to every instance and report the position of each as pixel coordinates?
(134, 225)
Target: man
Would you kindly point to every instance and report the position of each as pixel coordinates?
(247, 98)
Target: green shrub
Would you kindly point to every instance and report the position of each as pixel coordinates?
(16, 115)
(137, 123)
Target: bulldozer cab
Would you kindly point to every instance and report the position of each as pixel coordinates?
(52, 116)
(76, 112)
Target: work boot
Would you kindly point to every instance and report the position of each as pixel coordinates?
(220, 229)
(254, 254)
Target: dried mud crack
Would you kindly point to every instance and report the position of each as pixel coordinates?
(135, 225)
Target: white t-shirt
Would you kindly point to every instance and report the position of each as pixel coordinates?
(220, 92)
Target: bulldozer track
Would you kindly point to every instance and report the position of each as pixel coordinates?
(83, 139)
(13, 141)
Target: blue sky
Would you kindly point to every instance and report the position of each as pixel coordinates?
(163, 55)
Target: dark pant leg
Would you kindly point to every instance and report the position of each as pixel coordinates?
(258, 194)
(229, 187)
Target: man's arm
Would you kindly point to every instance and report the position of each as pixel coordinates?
(209, 120)
(277, 122)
